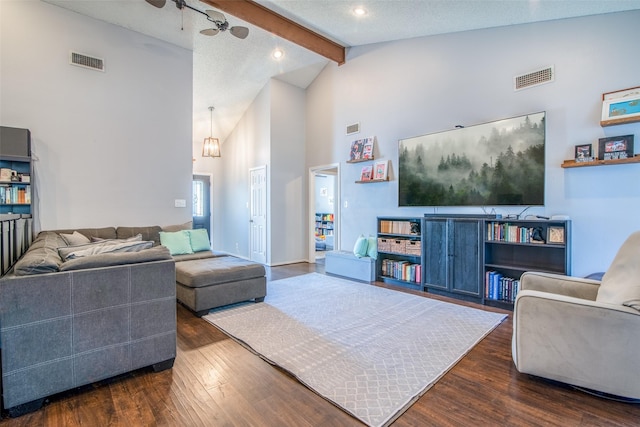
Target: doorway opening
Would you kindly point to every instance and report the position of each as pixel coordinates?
(324, 210)
(202, 203)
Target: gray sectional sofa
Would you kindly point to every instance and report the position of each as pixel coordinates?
(68, 324)
(72, 315)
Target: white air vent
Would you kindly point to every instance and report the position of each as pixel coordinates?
(534, 78)
(354, 128)
(85, 61)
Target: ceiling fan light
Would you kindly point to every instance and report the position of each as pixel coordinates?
(214, 15)
(359, 11)
(239, 32)
(157, 3)
(210, 32)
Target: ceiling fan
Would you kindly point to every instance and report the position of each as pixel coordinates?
(218, 19)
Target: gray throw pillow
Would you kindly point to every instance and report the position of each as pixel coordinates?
(75, 238)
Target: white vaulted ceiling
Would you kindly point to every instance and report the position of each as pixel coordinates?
(229, 72)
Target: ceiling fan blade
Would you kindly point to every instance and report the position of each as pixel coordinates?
(210, 31)
(157, 3)
(239, 32)
(215, 16)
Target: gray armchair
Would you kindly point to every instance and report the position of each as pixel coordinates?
(580, 331)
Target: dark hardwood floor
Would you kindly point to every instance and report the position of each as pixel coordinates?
(217, 382)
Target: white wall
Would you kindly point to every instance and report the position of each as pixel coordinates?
(424, 85)
(270, 133)
(288, 175)
(111, 148)
(246, 147)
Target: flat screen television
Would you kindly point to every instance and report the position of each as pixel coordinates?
(492, 164)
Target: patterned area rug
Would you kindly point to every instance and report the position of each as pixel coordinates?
(369, 350)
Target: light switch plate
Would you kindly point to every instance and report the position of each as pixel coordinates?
(180, 203)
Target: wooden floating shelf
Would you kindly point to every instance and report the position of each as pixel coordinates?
(369, 181)
(574, 164)
(360, 160)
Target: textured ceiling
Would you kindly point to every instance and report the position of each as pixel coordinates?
(228, 72)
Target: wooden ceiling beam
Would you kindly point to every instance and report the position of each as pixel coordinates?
(258, 15)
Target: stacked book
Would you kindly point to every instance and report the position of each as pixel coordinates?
(505, 232)
(500, 288)
(12, 195)
(402, 270)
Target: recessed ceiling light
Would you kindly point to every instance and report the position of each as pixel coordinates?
(277, 54)
(359, 11)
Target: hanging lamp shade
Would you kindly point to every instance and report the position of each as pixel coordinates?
(211, 145)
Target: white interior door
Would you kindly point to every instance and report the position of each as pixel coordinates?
(258, 214)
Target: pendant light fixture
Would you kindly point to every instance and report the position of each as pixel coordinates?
(211, 146)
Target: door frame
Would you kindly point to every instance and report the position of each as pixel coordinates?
(313, 171)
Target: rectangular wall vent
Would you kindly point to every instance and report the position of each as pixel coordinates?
(534, 78)
(354, 128)
(86, 61)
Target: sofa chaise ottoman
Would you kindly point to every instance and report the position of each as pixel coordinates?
(206, 283)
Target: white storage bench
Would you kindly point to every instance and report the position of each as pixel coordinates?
(346, 264)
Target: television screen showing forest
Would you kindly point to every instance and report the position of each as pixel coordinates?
(492, 164)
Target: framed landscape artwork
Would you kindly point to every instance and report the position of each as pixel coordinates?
(491, 164)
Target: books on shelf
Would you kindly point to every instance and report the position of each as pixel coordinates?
(367, 148)
(506, 232)
(410, 228)
(361, 149)
(500, 288)
(402, 270)
(14, 195)
(380, 170)
(324, 224)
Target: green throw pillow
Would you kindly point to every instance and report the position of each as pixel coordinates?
(177, 242)
(360, 248)
(372, 247)
(199, 240)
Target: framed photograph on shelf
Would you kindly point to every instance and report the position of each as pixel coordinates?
(583, 153)
(622, 106)
(555, 235)
(380, 170)
(615, 147)
(366, 173)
